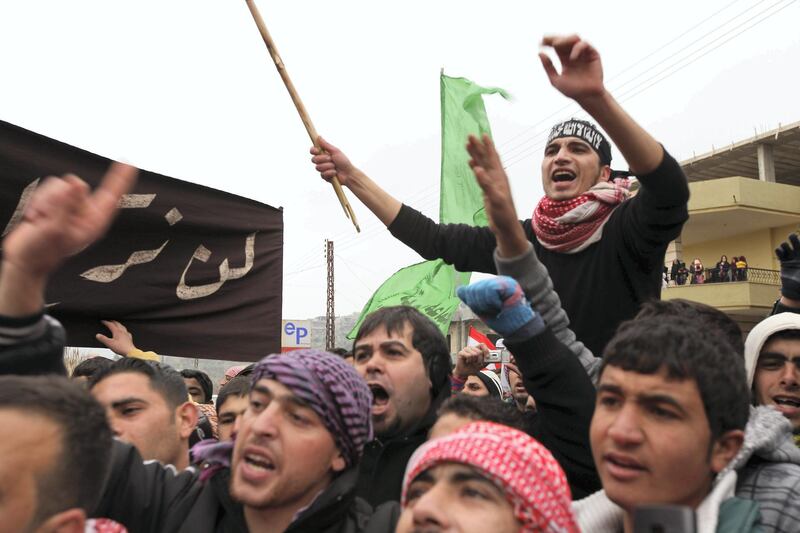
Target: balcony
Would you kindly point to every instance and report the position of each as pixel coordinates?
(751, 297)
(727, 207)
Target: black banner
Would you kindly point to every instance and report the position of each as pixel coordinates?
(189, 270)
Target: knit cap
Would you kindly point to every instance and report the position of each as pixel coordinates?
(332, 388)
(526, 472)
(491, 381)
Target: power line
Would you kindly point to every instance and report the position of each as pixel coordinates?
(627, 95)
(574, 107)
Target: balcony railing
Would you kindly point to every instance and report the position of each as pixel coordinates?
(749, 274)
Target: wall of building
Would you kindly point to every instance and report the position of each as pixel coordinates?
(779, 235)
(756, 246)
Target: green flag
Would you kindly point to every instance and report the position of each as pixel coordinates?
(430, 286)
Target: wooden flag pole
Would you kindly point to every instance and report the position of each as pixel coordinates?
(298, 103)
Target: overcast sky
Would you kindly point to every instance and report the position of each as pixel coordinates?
(187, 89)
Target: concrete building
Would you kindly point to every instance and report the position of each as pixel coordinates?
(745, 201)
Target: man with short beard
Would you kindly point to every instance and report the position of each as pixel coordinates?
(404, 359)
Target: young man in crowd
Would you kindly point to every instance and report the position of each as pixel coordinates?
(199, 385)
(539, 337)
(605, 253)
(772, 357)
(669, 394)
(147, 405)
(485, 477)
(405, 361)
(295, 463)
(768, 464)
(86, 369)
(55, 443)
(231, 404)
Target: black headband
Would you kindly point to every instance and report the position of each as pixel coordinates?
(585, 131)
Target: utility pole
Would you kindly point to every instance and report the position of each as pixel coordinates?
(330, 313)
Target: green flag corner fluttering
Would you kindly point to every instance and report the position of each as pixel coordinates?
(430, 286)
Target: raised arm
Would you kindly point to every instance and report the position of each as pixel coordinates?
(63, 217)
(581, 78)
(331, 162)
(515, 256)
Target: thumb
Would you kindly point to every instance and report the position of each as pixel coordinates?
(325, 145)
(102, 338)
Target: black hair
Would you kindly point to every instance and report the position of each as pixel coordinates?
(784, 334)
(204, 381)
(341, 352)
(238, 386)
(717, 322)
(426, 339)
(683, 348)
(246, 371)
(78, 473)
(163, 378)
(91, 366)
(486, 408)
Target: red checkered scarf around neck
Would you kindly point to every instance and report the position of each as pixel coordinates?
(569, 226)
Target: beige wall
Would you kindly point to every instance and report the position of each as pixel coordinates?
(756, 246)
(779, 235)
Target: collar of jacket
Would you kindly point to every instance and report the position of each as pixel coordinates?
(331, 506)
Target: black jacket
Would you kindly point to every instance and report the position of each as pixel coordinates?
(565, 400)
(600, 286)
(384, 463)
(149, 497)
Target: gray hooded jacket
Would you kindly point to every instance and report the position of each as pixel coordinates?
(768, 468)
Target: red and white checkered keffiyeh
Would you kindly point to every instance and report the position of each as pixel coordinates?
(523, 469)
(570, 226)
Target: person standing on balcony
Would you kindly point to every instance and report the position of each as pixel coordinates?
(741, 269)
(724, 269)
(697, 272)
(604, 249)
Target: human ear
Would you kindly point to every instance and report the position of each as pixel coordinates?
(725, 449)
(605, 173)
(187, 415)
(338, 463)
(69, 521)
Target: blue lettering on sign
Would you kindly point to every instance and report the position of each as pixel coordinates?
(297, 331)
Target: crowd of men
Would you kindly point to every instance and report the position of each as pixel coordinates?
(626, 412)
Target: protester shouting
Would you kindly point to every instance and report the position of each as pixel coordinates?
(404, 359)
(605, 252)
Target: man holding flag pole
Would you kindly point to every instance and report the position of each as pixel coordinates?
(604, 251)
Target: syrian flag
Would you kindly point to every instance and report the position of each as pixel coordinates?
(475, 338)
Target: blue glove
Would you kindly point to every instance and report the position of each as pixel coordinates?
(501, 304)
